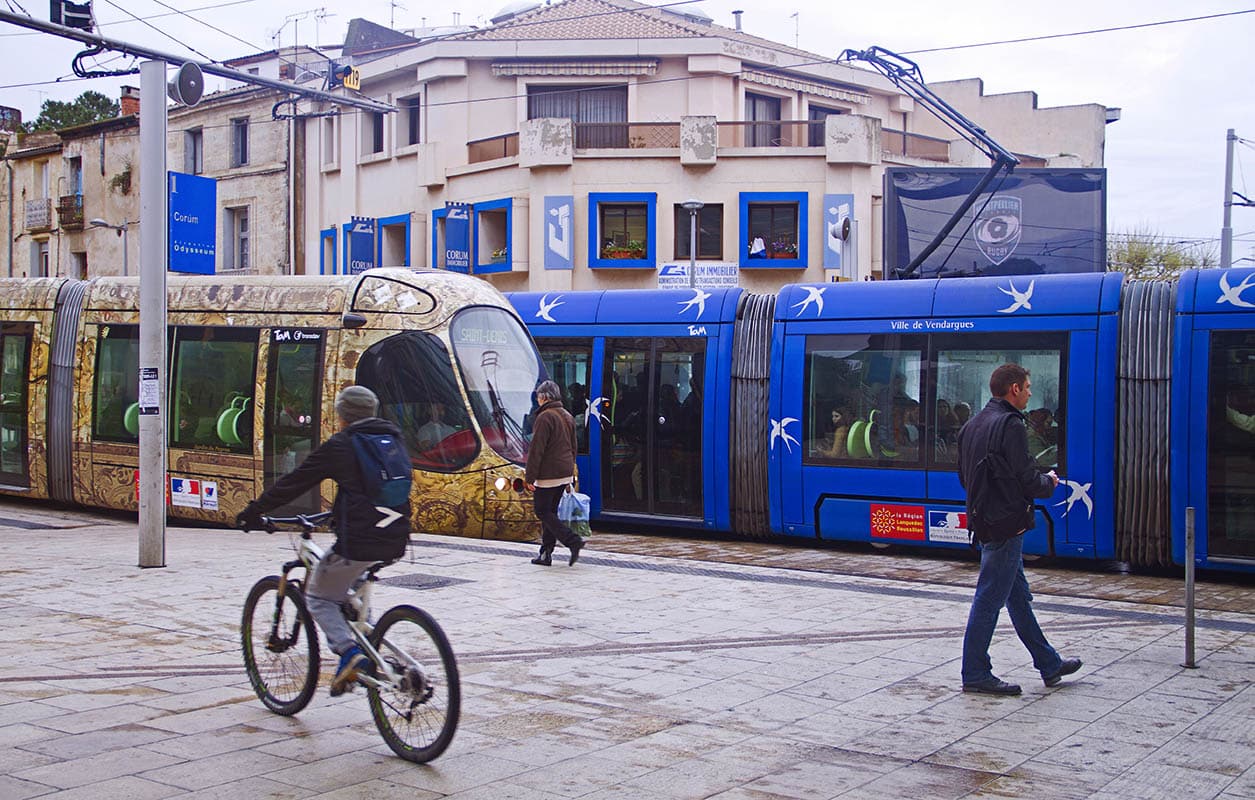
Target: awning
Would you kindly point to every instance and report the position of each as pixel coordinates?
(516, 69)
(809, 87)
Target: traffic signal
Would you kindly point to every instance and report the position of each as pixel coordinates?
(71, 15)
(344, 75)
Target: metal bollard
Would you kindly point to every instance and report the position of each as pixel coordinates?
(1189, 589)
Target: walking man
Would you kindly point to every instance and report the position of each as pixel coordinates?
(1001, 479)
(550, 470)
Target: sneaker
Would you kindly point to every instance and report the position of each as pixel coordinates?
(575, 551)
(1068, 666)
(994, 686)
(352, 662)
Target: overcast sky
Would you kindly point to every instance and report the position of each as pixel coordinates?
(1180, 86)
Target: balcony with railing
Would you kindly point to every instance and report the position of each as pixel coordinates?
(772, 133)
(503, 146)
(914, 145)
(627, 135)
(70, 212)
(39, 214)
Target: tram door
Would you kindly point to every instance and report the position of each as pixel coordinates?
(651, 450)
(15, 346)
(1231, 446)
(293, 394)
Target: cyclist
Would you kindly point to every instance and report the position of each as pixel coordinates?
(365, 533)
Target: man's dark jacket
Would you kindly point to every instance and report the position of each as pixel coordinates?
(999, 427)
(353, 513)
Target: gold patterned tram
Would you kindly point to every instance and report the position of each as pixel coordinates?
(254, 364)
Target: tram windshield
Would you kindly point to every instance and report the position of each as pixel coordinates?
(501, 369)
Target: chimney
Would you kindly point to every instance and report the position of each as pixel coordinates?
(130, 100)
(738, 14)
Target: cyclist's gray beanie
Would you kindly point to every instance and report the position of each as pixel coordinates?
(355, 403)
(549, 389)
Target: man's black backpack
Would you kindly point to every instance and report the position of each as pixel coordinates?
(385, 467)
(995, 500)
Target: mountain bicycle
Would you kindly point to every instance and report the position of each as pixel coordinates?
(414, 690)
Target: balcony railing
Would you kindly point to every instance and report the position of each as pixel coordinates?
(626, 135)
(70, 211)
(772, 133)
(503, 146)
(39, 214)
(914, 145)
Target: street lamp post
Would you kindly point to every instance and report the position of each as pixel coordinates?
(121, 229)
(692, 206)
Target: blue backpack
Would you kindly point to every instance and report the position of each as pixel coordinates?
(385, 468)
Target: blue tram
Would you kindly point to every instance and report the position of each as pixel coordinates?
(832, 410)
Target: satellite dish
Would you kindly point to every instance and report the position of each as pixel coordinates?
(188, 85)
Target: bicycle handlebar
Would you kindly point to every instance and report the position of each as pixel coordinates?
(308, 522)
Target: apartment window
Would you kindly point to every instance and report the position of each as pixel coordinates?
(239, 142)
(709, 231)
(254, 70)
(373, 139)
(238, 254)
(409, 120)
(194, 152)
(623, 229)
(773, 226)
(815, 131)
(40, 262)
(42, 184)
(330, 143)
(75, 168)
(599, 112)
(763, 115)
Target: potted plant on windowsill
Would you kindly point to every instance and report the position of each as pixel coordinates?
(783, 250)
(634, 249)
(498, 256)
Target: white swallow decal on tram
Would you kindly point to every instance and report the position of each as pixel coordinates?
(699, 299)
(1233, 294)
(813, 295)
(546, 306)
(778, 432)
(1021, 298)
(1079, 491)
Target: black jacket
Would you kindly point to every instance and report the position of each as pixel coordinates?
(1002, 423)
(354, 514)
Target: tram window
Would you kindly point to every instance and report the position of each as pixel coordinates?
(211, 396)
(15, 343)
(1231, 445)
(964, 364)
(115, 406)
(567, 363)
(413, 376)
(501, 369)
(863, 400)
(294, 380)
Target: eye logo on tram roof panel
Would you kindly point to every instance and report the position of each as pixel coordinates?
(699, 299)
(546, 306)
(778, 432)
(1021, 298)
(1079, 491)
(1233, 294)
(814, 294)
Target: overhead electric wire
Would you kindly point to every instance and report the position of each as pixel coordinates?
(169, 36)
(111, 23)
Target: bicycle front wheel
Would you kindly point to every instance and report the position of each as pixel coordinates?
(416, 712)
(280, 646)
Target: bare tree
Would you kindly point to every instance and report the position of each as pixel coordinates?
(1142, 253)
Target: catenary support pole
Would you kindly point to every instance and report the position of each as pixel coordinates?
(152, 314)
(1226, 232)
(1189, 588)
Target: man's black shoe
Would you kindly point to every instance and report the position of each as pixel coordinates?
(545, 558)
(992, 687)
(1068, 666)
(575, 551)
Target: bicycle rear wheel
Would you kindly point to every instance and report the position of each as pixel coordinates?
(280, 646)
(417, 714)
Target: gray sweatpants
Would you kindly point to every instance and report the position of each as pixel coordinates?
(328, 587)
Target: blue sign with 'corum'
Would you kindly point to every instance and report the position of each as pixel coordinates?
(457, 237)
(192, 231)
(361, 244)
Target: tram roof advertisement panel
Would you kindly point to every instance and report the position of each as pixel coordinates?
(1029, 222)
(1218, 291)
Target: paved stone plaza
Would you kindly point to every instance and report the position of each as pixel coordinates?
(630, 675)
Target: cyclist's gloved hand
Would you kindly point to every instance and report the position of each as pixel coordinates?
(248, 519)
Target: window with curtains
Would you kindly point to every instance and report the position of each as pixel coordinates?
(599, 112)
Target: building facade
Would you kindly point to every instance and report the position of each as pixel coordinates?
(558, 148)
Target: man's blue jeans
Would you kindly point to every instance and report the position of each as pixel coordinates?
(1002, 583)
